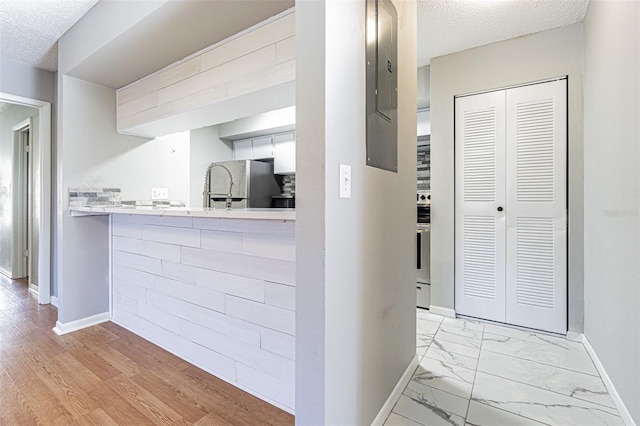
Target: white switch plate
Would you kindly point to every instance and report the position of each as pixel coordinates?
(159, 193)
(345, 181)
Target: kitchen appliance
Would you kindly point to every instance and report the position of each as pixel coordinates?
(239, 184)
(423, 237)
(283, 201)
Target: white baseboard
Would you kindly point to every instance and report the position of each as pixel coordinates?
(445, 312)
(574, 336)
(64, 328)
(622, 409)
(33, 289)
(54, 301)
(396, 393)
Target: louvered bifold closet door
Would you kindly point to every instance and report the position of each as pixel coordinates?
(480, 186)
(536, 206)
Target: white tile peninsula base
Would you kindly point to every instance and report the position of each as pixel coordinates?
(471, 373)
(219, 293)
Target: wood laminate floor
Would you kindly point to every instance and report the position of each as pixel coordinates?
(105, 375)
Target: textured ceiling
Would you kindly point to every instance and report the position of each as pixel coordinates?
(30, 29)
(447, 26)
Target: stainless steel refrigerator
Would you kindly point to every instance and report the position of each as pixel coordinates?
(239, 184)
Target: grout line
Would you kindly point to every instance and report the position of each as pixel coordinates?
(513, 414)
(544, 363)
(475, 375)
(597, 406)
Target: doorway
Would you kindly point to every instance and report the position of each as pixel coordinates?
(22, 202)
(38, 206)
(511, 206)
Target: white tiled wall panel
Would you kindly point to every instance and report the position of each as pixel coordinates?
(171, 235)
(179, 272)
(219, 293)
(275, 270)
(126, 229)
(222, 241)
(248, 288)
(281, 296)
(258, 313)
(272, 227)
(278, 343)
(265, 385)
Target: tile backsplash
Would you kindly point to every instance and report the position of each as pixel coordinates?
(80, 197)
(289, 185)
(424, 166)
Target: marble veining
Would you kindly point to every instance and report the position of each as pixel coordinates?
(471, 373)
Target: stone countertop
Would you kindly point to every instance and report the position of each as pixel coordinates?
(260, 214)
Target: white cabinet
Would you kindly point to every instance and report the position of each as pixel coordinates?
(262, 148)
(253, 149)
(285, 154)
(258, 66)
(243, 150)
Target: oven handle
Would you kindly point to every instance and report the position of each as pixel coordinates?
(419, 241)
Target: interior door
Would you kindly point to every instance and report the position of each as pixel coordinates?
(536, 206)
(480, 195)
(510, 219)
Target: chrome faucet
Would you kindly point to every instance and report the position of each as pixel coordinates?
(207, 186)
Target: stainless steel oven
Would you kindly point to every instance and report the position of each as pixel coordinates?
(423, 241)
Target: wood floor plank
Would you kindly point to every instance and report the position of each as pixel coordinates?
(226, 401)
(43, 402)
(14, 408)
(97, 335)
(118, 360)
(96, 417)
(145, 401)
(119, 408)
(68, 365)
(243, 401)
(146, 348)
(212, 419)
(66, 390)
(172, 395)
(94, 363)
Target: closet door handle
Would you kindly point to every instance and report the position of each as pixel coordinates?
(500, 209)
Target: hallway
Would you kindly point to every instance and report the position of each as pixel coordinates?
(105, 375)
(474, 373)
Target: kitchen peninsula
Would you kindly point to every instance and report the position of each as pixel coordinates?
(214, 286)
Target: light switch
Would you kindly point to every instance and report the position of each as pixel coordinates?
(345, 181)
(159, 193)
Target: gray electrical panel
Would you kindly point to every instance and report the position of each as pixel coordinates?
(382, 85)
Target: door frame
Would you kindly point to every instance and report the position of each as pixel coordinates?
(43, 167)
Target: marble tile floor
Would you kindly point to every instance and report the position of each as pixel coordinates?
(475, 373)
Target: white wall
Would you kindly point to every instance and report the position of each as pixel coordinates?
(424, 87)
(21, 79)
(206, 148)
(356, 257)
(530, 58)
(92, 153)
(612, 192)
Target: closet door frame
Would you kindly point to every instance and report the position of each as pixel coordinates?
(560, 323)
